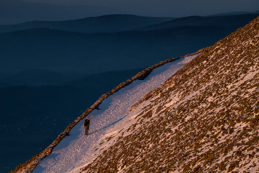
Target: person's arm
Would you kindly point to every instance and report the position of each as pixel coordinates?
(88, 121)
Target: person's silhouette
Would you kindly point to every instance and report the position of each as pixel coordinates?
(87, 124)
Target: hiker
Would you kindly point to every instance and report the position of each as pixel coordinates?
(87, 124)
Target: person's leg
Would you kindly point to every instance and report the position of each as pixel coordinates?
(86, 130)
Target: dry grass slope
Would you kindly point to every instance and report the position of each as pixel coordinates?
(205, 118)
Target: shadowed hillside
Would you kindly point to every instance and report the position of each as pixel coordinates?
(71, 52)
(235, 20)
(32, 117)
(68, 52)
(101, 24)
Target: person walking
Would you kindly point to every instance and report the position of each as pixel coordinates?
(87, 124)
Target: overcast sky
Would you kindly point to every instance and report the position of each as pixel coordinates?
(167, 7)
(71, 9)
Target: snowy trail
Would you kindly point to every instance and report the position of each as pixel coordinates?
(77, 150)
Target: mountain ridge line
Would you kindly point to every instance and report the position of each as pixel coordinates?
(31, 164)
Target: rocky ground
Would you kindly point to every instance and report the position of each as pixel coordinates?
(205, 118)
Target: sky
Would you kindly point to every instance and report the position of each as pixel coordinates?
(172, 8)
(13, 11)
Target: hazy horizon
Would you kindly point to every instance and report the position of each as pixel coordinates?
(51, 72)
(19, 11)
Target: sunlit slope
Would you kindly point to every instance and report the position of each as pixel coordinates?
(204, 118)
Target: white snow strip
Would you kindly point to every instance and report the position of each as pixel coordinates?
(77, 150)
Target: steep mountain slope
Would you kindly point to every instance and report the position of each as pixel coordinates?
(204, 118)
(108, 111)
(41, 113)
(72, 53)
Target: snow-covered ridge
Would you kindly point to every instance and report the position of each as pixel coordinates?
(32, 163)
(205, 118)
(77, 150)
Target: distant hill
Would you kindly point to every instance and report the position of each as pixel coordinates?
(32, 117)
(97, 81)
(234, 21)
(231, 13)
(66, 51)
(19, 11)
(3, 85)
(235, 13)
(36, 77)
(101, 24)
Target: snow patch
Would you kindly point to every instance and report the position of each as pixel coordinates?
(188, 59)
(113, 117)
